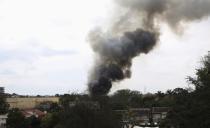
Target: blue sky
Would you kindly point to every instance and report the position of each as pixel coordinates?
(44, 48)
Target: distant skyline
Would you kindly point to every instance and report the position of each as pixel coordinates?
(44, 49)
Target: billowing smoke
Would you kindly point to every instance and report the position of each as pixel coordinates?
(135, 32)
(173, 12)
(115, 55)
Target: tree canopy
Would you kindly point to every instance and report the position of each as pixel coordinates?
(4, 106)
(191, 109)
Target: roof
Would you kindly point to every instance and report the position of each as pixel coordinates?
(160, 109)
(140, 111)
(33, 112)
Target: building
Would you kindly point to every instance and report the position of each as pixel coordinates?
(143, 117)
(140, 115)
(159, 113)
(122, 113)
(3, 119)
(29, 102)
(1, 90)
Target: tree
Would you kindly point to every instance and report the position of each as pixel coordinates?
(34, 122)
(201, 95)
(4, 106)
(15, 119)
(191, 109)
(123, 99)
(48, 106)
(50, 120)
(66, 99)
(87, 116)
(202, 79)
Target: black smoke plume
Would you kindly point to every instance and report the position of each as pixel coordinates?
(135, 31)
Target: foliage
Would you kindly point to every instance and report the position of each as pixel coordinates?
(123, 99)
(86, 116)
(4, 106)
(16, 119)
(48, 106)
(50, 120)
(33, 122)
(191, 109)
(66, 99)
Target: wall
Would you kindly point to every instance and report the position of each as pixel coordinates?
(30, 102)
(3, 121)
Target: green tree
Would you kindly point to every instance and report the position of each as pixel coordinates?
(33, 121)
(16, 119)
(87, 116)
(4, 106)
(49, 106)
(50, 120)
(201, 95)
(66, 99)
(191, 109)
(123, 99)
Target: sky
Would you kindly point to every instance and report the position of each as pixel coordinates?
(44, 48)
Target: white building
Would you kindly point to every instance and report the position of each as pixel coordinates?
(3, 119)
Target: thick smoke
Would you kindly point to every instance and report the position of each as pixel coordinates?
(116, 48)
(173, 12)
(115, 55)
